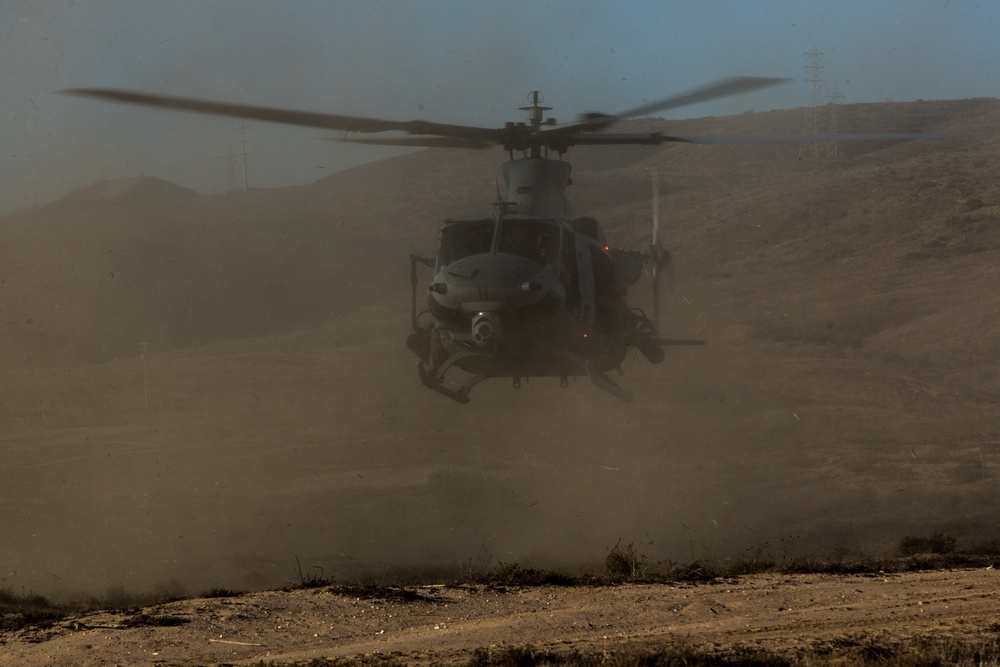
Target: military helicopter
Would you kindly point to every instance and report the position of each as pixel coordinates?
(529, 290)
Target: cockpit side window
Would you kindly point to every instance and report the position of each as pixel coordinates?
(462, 239)
(537, 240)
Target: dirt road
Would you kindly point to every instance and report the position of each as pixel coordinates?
(783, 615)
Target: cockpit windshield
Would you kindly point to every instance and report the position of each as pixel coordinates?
(462, 239)
(537, 240)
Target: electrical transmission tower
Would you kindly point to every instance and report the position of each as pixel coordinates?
(814, 77)
(236, 162)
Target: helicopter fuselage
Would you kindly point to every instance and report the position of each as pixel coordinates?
(535, 294)
(502, 288)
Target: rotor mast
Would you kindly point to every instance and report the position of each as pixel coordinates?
(535, 117)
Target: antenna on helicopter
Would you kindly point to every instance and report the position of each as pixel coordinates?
(501, 203)
(660, 258)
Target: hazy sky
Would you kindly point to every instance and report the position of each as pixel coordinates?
(451, 61)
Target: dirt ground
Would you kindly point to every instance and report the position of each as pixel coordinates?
(785, 615)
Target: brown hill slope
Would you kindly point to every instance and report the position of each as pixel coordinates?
(95, 274)
(847, 397)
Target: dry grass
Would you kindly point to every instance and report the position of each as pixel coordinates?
(853, 650)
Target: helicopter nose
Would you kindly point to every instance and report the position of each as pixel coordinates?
(494, 283)
(486, 329)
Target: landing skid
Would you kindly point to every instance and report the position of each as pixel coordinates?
(607, 384)
(434, 380)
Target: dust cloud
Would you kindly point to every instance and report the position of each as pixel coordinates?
(214, 391)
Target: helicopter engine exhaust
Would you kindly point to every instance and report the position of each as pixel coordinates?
(486, 329)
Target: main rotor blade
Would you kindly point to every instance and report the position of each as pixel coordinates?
(417, 141)
(723, 88)
(620, 138)
(809, 138)
(733, 85)
(655, 138)
(286, 116)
